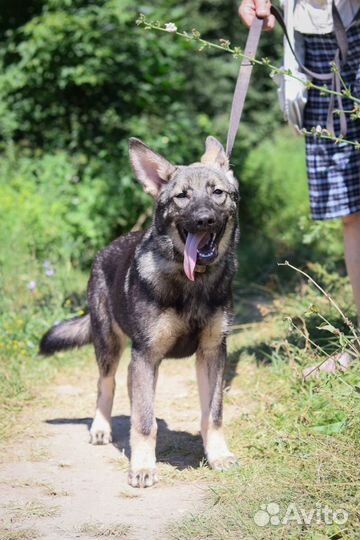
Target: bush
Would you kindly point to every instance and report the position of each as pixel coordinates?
(275, 209)
(64, 206)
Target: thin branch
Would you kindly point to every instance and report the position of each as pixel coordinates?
(332, 302)
(238, 53)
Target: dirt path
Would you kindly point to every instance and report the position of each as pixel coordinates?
(54, 485)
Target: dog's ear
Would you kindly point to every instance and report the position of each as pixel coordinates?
(215, 154)
(151, 169)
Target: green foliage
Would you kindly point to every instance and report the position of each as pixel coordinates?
(275, 211)
(47, 210)
(79, 74)
(273, 182)
(77, 78)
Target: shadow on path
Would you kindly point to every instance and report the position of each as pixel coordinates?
(177, 448)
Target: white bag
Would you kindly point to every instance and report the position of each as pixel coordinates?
(292, 92)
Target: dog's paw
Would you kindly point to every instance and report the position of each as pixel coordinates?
(224, 462)
(143, 478)
(100, 432)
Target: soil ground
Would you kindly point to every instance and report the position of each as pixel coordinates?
(56, 486)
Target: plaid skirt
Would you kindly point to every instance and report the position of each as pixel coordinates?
(333, 169)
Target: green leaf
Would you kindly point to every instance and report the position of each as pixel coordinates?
(330, 429)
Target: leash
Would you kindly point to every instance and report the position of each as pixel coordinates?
(246, 67)
(242, 82)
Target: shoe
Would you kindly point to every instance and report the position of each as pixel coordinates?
(340, 361)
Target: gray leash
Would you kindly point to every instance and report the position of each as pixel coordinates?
(242, 83)
(243, 80)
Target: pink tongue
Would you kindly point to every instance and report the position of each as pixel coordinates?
(190, 253)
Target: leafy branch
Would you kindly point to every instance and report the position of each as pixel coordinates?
(225, 46)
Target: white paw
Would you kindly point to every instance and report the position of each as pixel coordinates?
(222, 463)
(143, 478)
(218, 455)
(100, 432)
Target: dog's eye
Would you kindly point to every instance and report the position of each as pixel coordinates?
(218, 192)
(181, 195)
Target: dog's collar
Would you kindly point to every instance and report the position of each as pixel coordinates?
(199, 268)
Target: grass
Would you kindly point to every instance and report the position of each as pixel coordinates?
(298, 440)
(286, 460)
(54, 492)
(129, 494)
(97, 530)
(32, 509)
(38, 454)
(46, 487)
(25, 314)
(18, 534)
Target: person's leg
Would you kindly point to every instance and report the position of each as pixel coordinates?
(351, 226)
(352, 255)
(333, 170)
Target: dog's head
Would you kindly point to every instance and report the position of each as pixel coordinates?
(196, 204)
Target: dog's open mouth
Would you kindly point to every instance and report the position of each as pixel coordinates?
(201, 248)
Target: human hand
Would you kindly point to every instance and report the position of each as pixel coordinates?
(249, 9)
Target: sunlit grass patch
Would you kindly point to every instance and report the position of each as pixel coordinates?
(285, 460)
(298, 440)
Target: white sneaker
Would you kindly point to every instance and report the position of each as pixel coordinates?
(340, 361)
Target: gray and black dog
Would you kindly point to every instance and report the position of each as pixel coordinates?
(169, 291)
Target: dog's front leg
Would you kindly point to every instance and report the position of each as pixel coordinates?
(141, 384)
(210, 365)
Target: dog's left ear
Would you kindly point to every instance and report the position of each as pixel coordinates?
(150, 168)
(215, 154)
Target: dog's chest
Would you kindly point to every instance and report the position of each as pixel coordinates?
(171, 335)
(185, 345)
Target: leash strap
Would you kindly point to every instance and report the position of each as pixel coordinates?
(246, 66)
(242, 83)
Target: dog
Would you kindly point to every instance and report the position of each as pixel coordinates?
(169, 290)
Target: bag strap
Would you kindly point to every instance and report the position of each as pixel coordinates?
(339, 60)
(320, 76)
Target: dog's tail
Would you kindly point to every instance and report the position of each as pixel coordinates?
(75, 332)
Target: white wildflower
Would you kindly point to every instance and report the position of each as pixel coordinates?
(318, 130)
(170, 27)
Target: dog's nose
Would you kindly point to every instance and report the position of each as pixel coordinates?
(205, 219)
